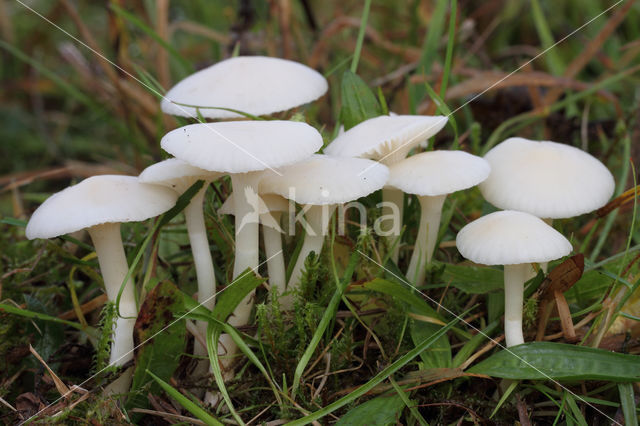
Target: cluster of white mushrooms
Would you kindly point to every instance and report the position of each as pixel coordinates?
(272, 161)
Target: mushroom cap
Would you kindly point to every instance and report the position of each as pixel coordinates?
(257, 85)
(386, 138)
(510, 238)
(97, 200)
(547, 179)
(175, 174)
(438, 172)
(323, 179)
(242, 146)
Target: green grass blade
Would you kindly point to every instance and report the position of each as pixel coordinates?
(429, 52)
(378, 378)
(628, 403)
(37, 315)
(213, 335)
(469, 348)
(552, 57)
(445, 110)
(183, 201)
(137, 22)
(407, 402)
(453, 12)
(185, 402)
(575, 410)
(621, 183)
(326, 319)
(242, 345)
(361, 32)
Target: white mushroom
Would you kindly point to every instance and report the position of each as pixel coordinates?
(320, 183)
(242, 149)
(431, 176)
(515, 240)
(179, 176)
(256, 85)
(99, 204)
(387, 139)
(546, 179)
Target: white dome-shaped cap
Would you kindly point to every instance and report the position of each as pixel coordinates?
(510, 238)
(175, 174)
(323, 179)
(97, 200)
(257, 85)
(242, 146)
(547, 179)
(438, 172)
(386, 138)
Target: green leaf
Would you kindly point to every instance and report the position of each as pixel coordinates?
(358, 101)
(591, 286)
(382, 410)
(185, 402)
(558, 361)
(405, 294)
(439, 354)
(473, 279)
(234, 292)
(162, 338)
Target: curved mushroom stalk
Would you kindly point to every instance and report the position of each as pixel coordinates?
(317, 218)
(201, 252)
(396, 197)
(431, 212)
(275, 257)
(113, 265)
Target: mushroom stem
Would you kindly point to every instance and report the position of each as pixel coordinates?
(431, 211)
(246, 205)
(197, 231)
(395, 197)
(318, 219)
(275, 258)
(113, 265)
(514, 279)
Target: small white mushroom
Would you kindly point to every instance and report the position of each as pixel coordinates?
(387, 139)
(256, 85)
(179, 176)
(546, 179)
(515, 240)
(432, 176)
(242, 149)
(99, 204)
(320, 183)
